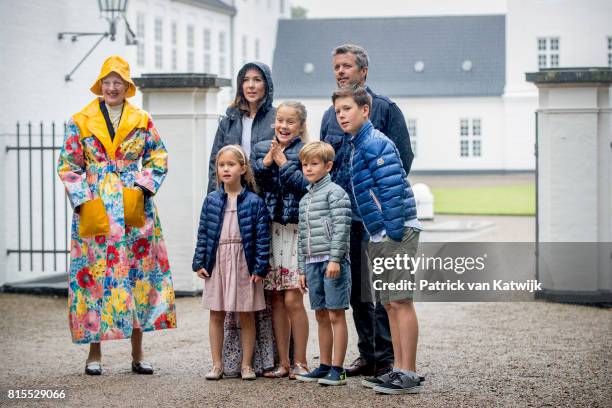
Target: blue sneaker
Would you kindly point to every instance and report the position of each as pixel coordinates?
(314, 375)
(334, 377)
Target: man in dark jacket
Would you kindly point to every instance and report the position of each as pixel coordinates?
(350, 64)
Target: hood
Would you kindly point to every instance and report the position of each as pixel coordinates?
(267, 73)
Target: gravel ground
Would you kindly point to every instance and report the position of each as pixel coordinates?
(473, 354)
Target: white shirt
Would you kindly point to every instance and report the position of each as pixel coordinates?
(247, 124)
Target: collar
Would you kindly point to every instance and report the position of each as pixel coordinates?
(240, 197)
(319, 184)
(365, 129)
(90, 121)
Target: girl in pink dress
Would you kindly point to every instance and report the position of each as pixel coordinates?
(232, 256)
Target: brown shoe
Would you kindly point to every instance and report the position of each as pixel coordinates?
(360, 367)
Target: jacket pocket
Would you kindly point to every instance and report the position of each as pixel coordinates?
(327, 228)
(375, 200)
(93, 220)
(133, 207)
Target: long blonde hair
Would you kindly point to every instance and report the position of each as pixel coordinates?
(247, 179)
(301, 113)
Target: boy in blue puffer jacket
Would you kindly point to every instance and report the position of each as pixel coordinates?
(384, 200)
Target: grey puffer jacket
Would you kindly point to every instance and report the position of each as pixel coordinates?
(325, 222)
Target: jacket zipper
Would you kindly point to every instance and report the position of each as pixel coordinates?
(353, 187)
(375, 200)
(308, 224)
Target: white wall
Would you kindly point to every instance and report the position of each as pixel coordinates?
(438, 130)
(581, 25)
(34, 61)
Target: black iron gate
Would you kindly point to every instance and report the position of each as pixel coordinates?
(39, 237)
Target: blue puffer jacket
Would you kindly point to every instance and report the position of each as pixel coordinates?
(386, 116)
(281, 187)
(253, 221)
(384, 198)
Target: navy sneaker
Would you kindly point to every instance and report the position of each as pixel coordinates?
(372, 382)
(314, 375)
(334, 377)
(400, 383)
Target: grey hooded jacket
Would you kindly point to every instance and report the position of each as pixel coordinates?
(325, 222)
(230, 126)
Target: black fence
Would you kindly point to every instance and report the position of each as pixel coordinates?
(41, 229)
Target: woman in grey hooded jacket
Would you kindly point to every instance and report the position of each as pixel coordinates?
(250, 117)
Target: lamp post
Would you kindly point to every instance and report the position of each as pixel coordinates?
(112, 11)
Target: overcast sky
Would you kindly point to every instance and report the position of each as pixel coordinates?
(398, 8)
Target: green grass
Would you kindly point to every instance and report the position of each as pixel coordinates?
(506, 200)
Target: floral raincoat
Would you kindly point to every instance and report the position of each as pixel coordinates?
(119, 276)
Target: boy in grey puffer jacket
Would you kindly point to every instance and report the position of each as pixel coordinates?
(323, 245)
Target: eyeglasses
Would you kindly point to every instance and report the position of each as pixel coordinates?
(113, 84)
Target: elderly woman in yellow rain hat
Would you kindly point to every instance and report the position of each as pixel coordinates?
(112, 164)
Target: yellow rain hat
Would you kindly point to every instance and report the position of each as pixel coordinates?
(120, 66)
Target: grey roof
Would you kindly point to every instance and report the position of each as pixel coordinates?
(217, 5)
(394, 45)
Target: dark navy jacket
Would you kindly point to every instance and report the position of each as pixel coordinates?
(282, 188)
(384, 198)
(386, 117)
(254, 226)
(230, 126)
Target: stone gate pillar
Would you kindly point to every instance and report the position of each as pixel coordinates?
(184, 110)
(574, 178)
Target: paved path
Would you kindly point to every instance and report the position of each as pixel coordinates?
(473, 354)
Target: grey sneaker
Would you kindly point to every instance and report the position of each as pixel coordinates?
(400, 384)
(372, 382)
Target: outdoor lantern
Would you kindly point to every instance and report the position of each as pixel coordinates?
(112, 11)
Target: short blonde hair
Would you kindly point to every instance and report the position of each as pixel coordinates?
(318, 150)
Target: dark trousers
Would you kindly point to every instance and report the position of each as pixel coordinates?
(370, 318)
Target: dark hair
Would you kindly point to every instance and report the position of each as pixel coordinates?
(240, 101)
(361, 56)
(358, 93)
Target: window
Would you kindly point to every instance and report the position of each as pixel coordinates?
(412, 132)
(222, 57)
(610, 51)
(206, 42)
(174, 35)
(257, 48)
(548, 52)
(159, 62)
(244, 49)
(190, 41)
(470, 136)
(140, 35)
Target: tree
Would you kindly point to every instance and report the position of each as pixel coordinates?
(299, 12)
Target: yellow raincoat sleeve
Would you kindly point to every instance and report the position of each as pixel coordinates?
(154, 161)
(71, 167)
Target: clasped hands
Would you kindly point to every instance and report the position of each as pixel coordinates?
(275, 155)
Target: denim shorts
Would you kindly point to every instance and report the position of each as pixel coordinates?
(326, 293)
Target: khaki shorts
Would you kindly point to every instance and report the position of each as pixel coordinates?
(389, 249)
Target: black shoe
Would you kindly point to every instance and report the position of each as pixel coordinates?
(93, 368)
(142, 367)
(360, 367)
